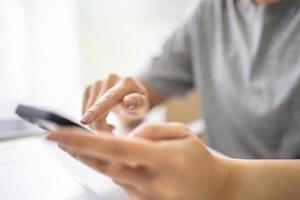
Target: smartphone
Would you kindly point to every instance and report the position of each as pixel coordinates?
(45, 119)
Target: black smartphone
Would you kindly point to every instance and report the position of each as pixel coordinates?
(45, 119)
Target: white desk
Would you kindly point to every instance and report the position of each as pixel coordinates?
(102, 185)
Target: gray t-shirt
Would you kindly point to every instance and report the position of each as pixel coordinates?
(244, 60)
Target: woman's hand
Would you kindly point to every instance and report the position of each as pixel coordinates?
(159, 162)
(126, 96)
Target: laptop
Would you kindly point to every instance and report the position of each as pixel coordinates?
(30, 171)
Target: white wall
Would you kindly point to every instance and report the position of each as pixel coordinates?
(122, 35)
(39, 53)
(50, 49)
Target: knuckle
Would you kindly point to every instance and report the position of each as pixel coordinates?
(97, 82)
(94, 85)
(112, 76)
(87, 89)
(128, 81)
(111, 79)
(110, 96)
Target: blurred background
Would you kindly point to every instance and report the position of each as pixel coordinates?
(51, 49)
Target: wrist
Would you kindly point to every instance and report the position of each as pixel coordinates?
(230, 178)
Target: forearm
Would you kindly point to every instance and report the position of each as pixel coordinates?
(264, 179)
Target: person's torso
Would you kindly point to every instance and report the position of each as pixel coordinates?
(246, 61)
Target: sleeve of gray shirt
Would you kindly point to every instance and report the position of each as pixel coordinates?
(170, 73)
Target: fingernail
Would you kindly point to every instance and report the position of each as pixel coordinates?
(132, 104)
(87, 118)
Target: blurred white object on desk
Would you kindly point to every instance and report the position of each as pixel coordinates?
(29, 171)
(12, 128)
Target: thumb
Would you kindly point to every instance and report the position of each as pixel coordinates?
(161, 131)
(135, 103)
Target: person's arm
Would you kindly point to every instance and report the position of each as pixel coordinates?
(166, 161)
(264, 180)
(171, 72)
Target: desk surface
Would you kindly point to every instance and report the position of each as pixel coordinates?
(102, 185)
